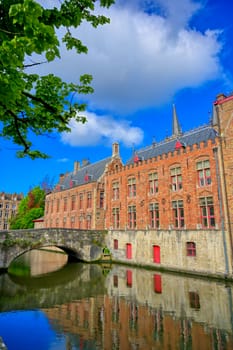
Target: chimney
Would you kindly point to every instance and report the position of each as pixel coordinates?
(76, 166)
(221, 97)
(61, 178)
(85, 162)
(115, 149)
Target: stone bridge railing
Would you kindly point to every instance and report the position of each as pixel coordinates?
(82, 245)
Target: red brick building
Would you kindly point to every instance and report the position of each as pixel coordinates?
(179, 191)
(78, 200)
(172, 184)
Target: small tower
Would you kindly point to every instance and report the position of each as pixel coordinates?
(115, 149)
(176, 129)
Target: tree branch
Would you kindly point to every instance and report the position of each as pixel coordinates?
(16, 120)
(44, 103)
(7, 32)
(34, 64)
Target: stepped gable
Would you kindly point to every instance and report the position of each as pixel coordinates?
(86, 174)
(189, 138)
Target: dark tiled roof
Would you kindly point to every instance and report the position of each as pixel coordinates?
(94, 171)
(201, 134)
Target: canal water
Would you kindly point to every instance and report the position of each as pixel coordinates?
(90, 306)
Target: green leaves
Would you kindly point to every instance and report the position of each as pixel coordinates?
(28, 101)
(31, 207)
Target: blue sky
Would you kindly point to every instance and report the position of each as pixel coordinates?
(153, 53)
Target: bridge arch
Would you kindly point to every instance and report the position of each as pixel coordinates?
(78, 244)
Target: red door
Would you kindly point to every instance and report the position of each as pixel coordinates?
(156, 254)
(128, 251)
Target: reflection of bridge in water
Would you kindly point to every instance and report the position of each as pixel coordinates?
(73, 282)
(81, 245)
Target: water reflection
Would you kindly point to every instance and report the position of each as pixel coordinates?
(120, 308)
(37, 262)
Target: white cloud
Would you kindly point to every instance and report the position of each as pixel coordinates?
(63, 160)
(102, 129)
(142, 59)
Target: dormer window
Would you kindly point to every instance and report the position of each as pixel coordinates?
(136, 158)
(179, 145)
(87, 177)
(72, 183)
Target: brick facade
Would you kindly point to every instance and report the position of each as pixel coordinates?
(176, 195)
(186, 159)
(78, 200)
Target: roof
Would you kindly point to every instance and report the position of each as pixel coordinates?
(39, 219)
(87, 173)
(201, 134)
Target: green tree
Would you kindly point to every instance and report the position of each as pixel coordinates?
(29, 102)
(30, 208)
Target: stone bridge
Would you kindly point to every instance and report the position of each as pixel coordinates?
(84, 245)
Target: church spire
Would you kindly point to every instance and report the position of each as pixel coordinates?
(176, 129)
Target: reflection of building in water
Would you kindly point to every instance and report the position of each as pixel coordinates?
(153, 311)
(45, 260)
(84, 318)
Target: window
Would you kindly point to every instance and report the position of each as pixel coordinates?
(153, 183)
(81, 221)
(72, 221)
(115, 244)
(178, 213)
(203, 171)
(58, 204)
(154, 215)
(7, 205)
(89, 200)
(115, 281)
(116, 217)
(73, 200)
(65, 203)
(47, 207)
(81, 201)
(132, 216)
(191, 248)
(115, 190)
(64, 222)
(194, 300)
(132, 187)
(101, 199)
(176, 179)
(207, 212)
(52, 206)
(88, 222)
